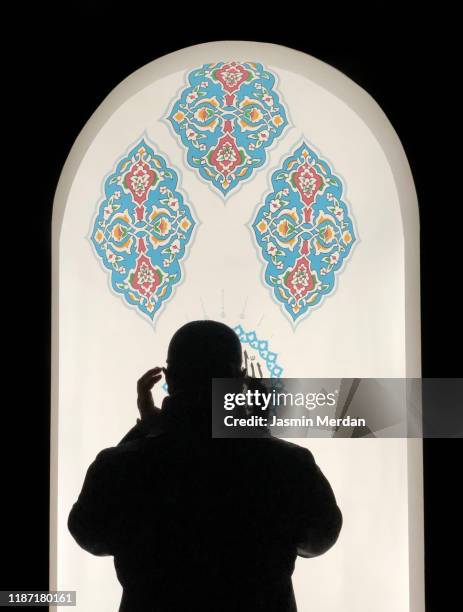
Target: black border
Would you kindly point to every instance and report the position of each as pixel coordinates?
(60, 72)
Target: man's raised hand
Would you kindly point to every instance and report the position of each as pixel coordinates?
(145, 401)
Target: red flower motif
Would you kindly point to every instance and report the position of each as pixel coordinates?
(300, 280)
(146, 279)
(308, 182)
(226, 156)
(139, 180)
(231, 76)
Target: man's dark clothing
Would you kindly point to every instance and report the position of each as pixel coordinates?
(196, 523)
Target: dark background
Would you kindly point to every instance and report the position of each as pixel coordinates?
(63, 65)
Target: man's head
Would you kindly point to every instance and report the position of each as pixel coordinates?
(200, 351)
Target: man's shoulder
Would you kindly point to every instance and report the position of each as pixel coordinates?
(127, 450)
(280, 450)
(284, 446)
(283, 450)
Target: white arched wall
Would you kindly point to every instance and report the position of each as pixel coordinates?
(368, 326)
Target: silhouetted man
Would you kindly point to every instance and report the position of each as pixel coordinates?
(196, 523)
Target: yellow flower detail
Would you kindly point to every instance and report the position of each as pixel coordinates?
(201, 114)
(179, 116)
(293, 214)
(283, 227)
(117, 232)
(164, 226)
(328, 234)
(262, 226)
(255, 115)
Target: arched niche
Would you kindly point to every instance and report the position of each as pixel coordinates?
(364, 323)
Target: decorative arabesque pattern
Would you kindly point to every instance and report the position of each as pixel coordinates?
(142, 229)
(258, 360)
(303, 231)
(226, 118)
